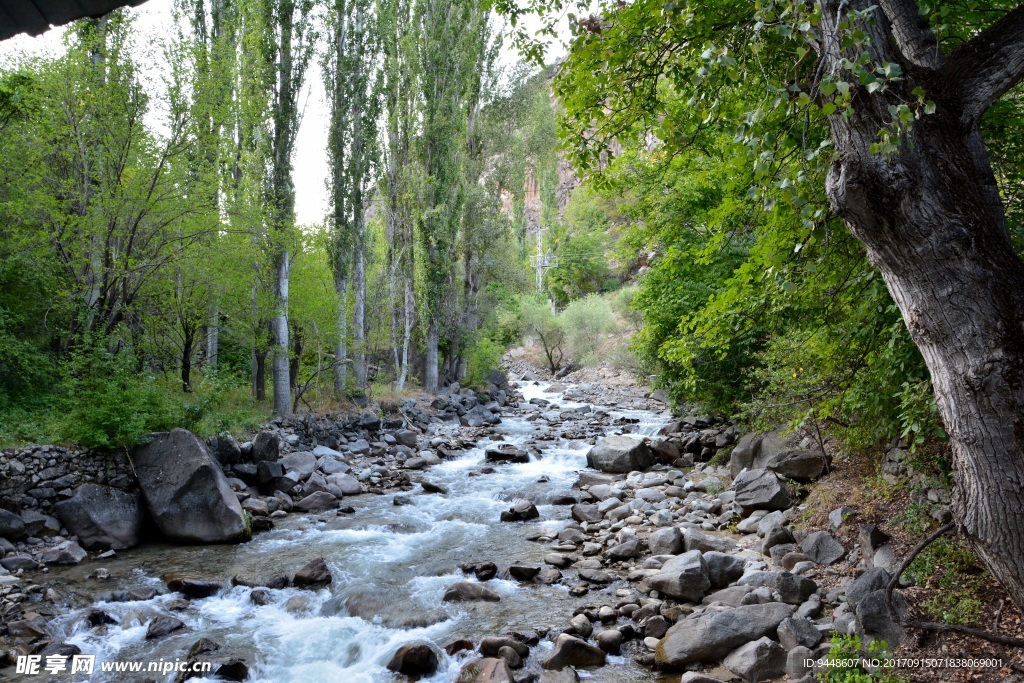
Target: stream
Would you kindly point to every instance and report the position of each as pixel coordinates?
(405, 555)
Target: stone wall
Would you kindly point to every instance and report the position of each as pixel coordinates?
(36, 477)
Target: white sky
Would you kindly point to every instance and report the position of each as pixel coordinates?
(154, 22)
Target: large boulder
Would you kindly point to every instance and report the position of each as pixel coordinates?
(103, 517)
(823, 548)
(760, 660)
(572, 651)
(713, 636)
(11, 525)
(683, 577)
(187, 494)
(415, 659)
(620, 454)
(760, 490)
(487, 670)
(800, 465)
(777, 452)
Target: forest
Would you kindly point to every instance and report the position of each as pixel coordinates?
(807, 214)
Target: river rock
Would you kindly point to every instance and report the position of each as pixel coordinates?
(760, 490)
(102, 517)
(585, 512)
(683, 577)
(823, 548)
(193, 588)
(763, 659)
(870, 581)
(723, 568)
(314, 573)
(756, 451)
(13, 563)
(521, 511)
(414, 659)
(876, 621)
(522, 572)
(490, 646)
(506, 452)
(487, 670)
(225, 449)
(800, 465)
(465, 591)
(234, 669)
(186, 491)
(797, 631)
(266, 446)
(667, 541)
(571, 651)
(67, 552)
(11, 525)
(713, 636)
(161, 626)
(319, 500)
(38, 524)
(610, 641)
(301, 463)
(620, 454)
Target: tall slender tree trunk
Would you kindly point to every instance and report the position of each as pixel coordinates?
(410, 318)
(282, 375)
(212, 338)
(359, 306)
(186, 359)
(341, 342)
(431, 369)
(259, 374)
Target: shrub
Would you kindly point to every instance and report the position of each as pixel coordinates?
(849, 655)
(538, 321)
(108, 403)
(586, 321)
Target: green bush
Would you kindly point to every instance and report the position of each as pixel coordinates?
(482, 357)
(849, 654)
(586, 322)
(109, 403)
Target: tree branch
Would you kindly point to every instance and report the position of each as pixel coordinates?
(930, 625)
(912, 33)
(985, 67)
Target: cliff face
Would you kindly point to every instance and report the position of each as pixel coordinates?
(533, 209)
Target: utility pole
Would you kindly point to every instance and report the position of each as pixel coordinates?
(542, 261)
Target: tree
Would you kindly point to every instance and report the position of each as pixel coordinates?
(452, 38)
(353, 150)
(285, 38)
(898, 101)
(398, 70)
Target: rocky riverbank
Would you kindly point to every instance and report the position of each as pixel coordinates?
(516, 534)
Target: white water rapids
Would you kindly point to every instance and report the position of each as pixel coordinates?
(408, 555)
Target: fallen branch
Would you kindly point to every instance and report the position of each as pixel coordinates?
(931, 625)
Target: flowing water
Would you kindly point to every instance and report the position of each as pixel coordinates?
(404, 555)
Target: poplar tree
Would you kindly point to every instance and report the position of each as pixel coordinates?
(351, 82)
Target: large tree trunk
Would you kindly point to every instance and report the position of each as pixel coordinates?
(932, 221)
(282, 374)
(186, 359)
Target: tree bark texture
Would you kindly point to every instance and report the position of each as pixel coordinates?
(932, 221)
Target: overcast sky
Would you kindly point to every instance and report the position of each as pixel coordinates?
(153, 20)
